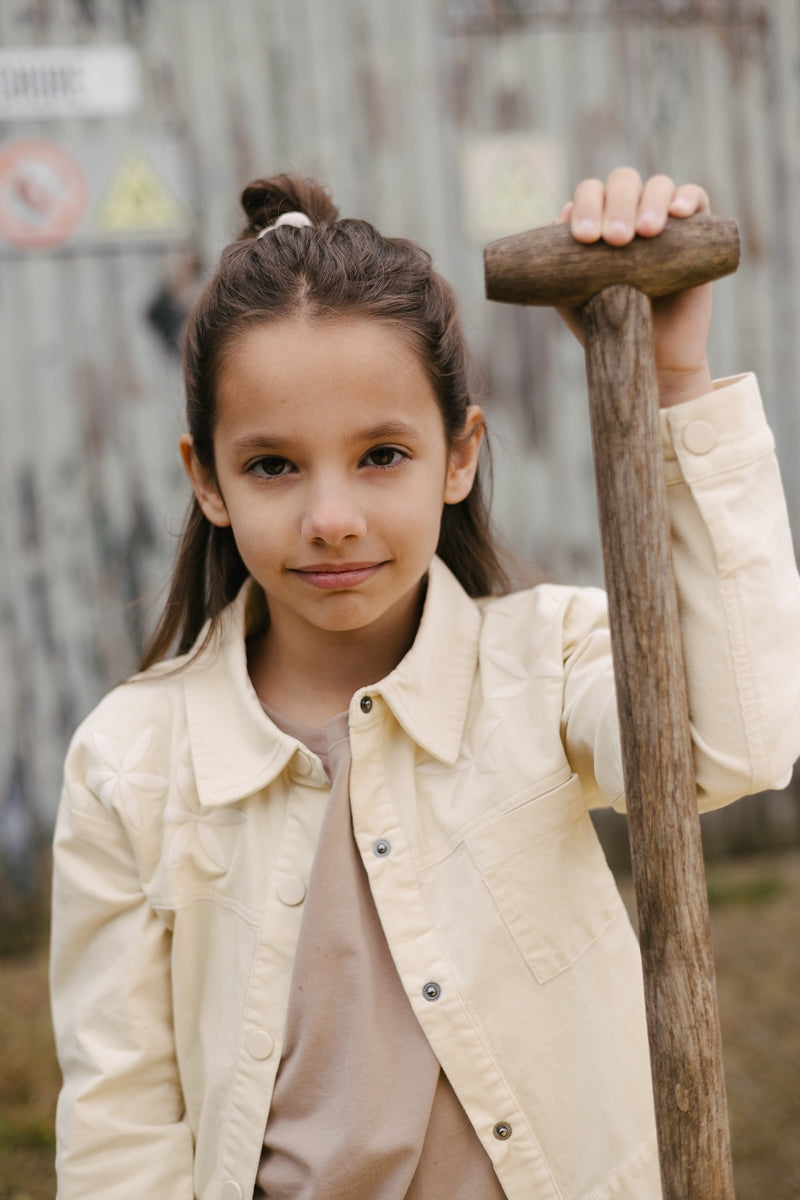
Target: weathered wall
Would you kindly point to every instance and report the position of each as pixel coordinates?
(387, 102)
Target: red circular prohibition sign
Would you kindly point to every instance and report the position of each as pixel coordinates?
(43, 194)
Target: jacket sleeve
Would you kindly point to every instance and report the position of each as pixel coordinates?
(119, 1125)
(739, 602)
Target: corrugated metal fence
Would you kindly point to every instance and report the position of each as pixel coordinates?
(450, 122)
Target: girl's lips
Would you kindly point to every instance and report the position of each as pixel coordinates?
(333, 577)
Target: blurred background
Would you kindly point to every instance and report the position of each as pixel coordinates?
(127, 131)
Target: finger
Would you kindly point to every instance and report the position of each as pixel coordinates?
(586, 217)
(657, 195)
(623, 193)
(565, 214)
(688, 200)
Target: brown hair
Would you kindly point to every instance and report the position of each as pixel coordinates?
(330, 269)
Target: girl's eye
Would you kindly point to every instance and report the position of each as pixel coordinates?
(271, 466)
(385, 456)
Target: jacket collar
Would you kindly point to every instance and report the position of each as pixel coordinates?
(429, 690)
(236, 749)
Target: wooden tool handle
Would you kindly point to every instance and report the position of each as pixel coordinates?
(660, 790)
(612, 285)
(548, 267)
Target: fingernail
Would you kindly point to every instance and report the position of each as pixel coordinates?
(586, 226)
(618, 229)
(648, 217)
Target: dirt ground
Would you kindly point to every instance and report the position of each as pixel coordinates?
(755, 913)
(755, 916)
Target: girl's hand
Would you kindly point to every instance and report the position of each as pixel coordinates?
(617, 211)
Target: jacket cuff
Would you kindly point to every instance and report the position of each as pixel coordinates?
(716, 433)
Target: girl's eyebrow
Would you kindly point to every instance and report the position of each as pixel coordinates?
(374, 433)
(387, 429)
(260, 441)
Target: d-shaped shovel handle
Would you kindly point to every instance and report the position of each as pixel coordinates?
(612, 285)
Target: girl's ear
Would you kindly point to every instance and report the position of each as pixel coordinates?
(202, 481)
(462, 462)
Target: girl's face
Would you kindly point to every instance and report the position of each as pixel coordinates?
(332, 470)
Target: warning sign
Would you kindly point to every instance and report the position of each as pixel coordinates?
(43, 194)
(137, 201)
(512, 181)
(92, 193)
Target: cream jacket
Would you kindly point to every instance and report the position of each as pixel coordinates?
(188, 825)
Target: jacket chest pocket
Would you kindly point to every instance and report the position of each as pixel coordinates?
(549, 878)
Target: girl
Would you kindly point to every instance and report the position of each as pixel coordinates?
(330, 919)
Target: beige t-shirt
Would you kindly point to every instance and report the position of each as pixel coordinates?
(361, 1108)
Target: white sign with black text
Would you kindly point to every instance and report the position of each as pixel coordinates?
(77, 81)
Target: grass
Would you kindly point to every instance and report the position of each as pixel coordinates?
(723, 890)
(755, 917)
(755, 922)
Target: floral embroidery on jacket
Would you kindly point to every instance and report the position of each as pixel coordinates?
(190, 822)
(472, 762)
(517, 677)
(121, 777)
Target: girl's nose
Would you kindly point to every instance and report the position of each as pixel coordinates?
(332, 515)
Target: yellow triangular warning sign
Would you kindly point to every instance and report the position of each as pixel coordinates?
(137, 201)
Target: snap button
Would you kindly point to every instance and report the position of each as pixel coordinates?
(431, 991)
(502, 1131)
(259, 1044)
(366, 704)
(699, 437)
(291, 891)
(381, 848)
(231, 1191)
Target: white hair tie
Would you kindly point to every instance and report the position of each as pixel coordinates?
(298, 219)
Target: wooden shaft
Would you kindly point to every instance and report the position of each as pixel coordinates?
(547, 266)
(668, 872)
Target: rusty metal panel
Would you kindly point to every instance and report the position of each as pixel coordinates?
(387, 103)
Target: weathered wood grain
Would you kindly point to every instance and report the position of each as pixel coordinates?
(664, 828)
(548, 267)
